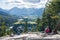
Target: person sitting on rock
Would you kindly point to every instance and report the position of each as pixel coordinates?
(47, 30)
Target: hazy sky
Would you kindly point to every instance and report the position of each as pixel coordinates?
(8, 4)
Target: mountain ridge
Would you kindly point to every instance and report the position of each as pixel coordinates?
(6, 17)
(23, 12)
(26, 11)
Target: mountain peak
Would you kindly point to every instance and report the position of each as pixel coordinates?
(1, 9)
(15, 8)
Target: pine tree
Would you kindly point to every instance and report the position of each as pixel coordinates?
(50, 10)
(3, 27)
(26, 25)
(51, 13)
(33, 28)
(38, 24)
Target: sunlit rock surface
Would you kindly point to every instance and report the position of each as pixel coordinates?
(32, 36)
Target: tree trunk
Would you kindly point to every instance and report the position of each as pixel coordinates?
(56, 28)
(55, 31)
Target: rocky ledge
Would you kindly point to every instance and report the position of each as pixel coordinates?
(32, 36)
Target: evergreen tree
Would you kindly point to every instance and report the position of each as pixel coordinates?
(33, 28)
(3, 27)
(38, 24)
(51, 13)
(26, 25)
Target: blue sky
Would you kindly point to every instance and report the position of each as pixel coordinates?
(8, 4)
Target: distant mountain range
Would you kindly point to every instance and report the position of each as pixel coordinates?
(6, 17)
(29, 12)
(23, 12)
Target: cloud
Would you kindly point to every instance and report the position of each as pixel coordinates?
(32, 1)
(8, 4)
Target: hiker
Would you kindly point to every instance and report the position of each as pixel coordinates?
(47, 30)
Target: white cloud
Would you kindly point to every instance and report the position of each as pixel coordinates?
(32, 1)
(8, 4)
